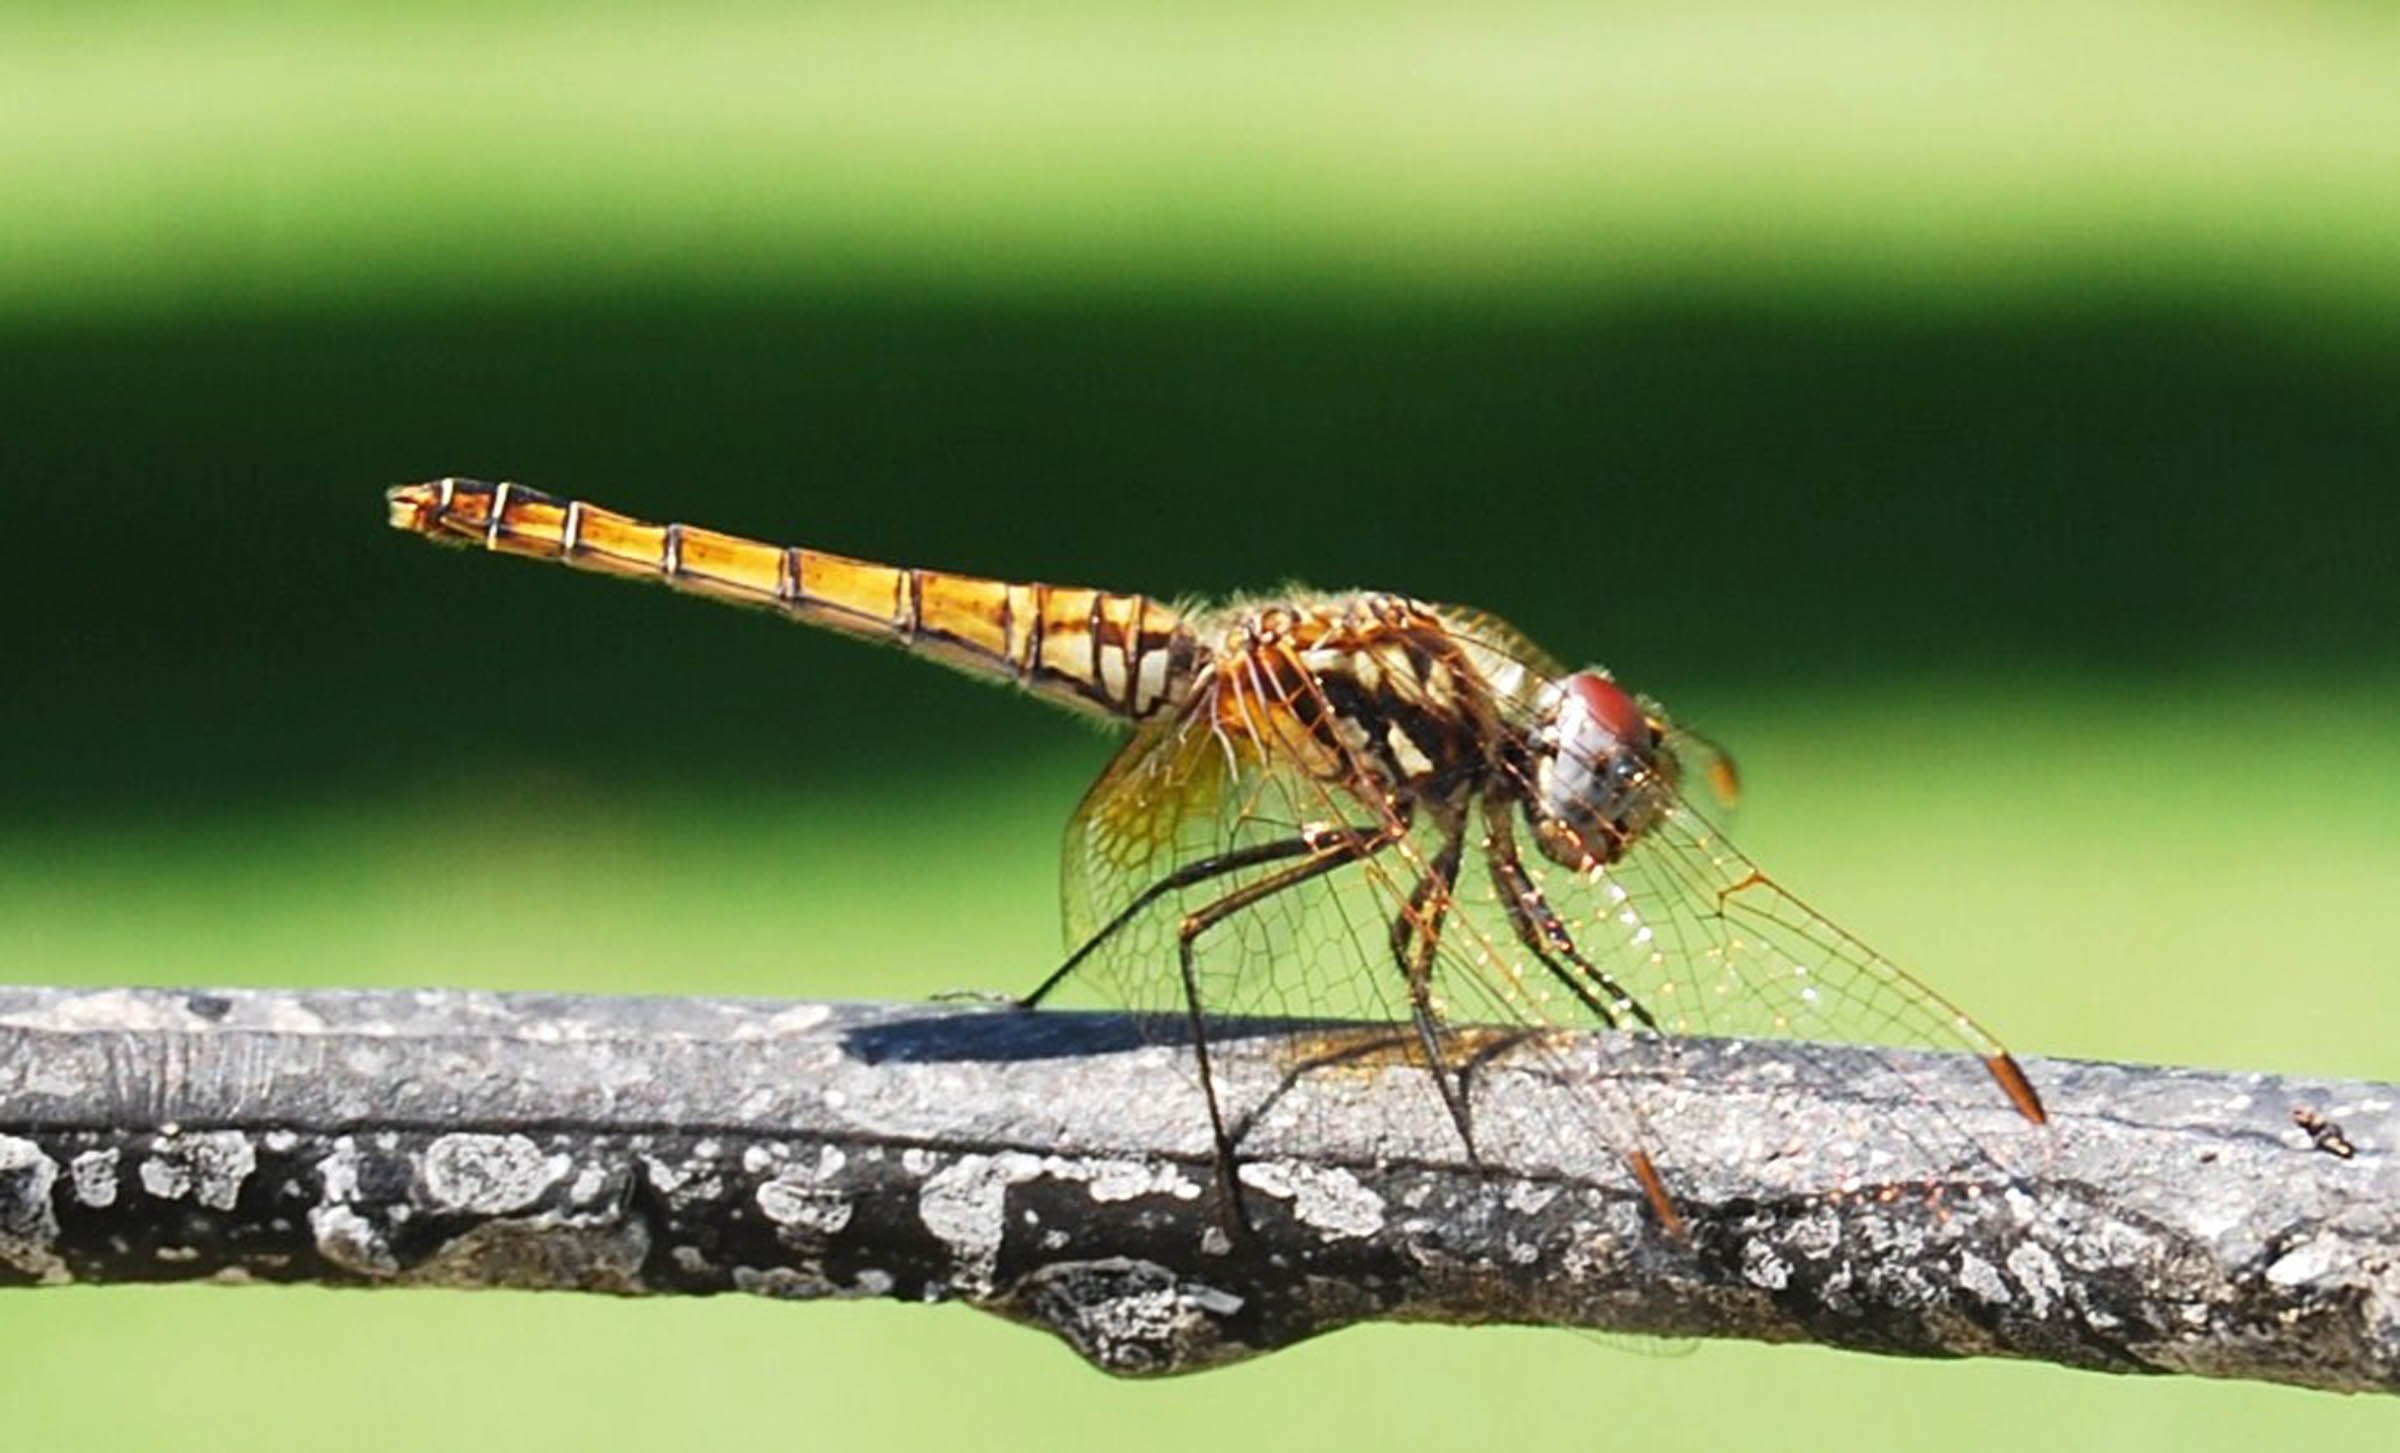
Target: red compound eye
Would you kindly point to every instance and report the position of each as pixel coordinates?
(1616, 712)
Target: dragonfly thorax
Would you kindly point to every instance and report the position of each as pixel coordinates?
(1602, 770)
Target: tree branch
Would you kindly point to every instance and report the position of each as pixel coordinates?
(1054, 1168)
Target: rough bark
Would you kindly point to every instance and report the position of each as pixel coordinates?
(1055, 1168)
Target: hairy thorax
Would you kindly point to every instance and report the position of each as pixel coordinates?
(1350, 685)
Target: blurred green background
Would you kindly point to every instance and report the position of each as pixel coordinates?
(1986, 419)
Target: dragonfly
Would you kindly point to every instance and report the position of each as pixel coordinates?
(1354, 798)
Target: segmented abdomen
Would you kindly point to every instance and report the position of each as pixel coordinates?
(1122, 655)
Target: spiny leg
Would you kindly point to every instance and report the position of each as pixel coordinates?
(1539, 928)
(1350, 845)
(1189, 875)
(1416, 938)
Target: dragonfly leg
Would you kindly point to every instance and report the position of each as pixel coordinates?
(1331, 850)
(1416, 937)
(1189, 875)
(1539, 929)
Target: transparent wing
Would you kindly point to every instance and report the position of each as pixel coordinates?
(1220, 809)
(1181, 799)
(1681, 936)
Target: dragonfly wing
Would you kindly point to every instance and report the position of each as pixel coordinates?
(1217, 814)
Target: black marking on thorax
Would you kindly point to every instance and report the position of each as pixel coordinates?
(1400, 703)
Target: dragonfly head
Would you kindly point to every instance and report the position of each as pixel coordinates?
(1602, 770)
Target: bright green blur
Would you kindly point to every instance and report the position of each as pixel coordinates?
(1981, 417)
(177, 152)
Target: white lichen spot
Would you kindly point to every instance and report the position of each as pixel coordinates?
(1126, 1180)
(1216, 1301)
(2036, 1270)
(963, 1204)
(830, 1161)
(489, 1175)
(351, 1242)
(338, 1171)
(165, 1179)
(2309, 1261)
(220, 1161)
(1762, 1266)
(667, 1176)
(1982, 1278)
(757, 1159)
(1816, 1235)
(796, 1202)
(94, 1174)
(1525, 1198)
(177, 1253)
(28, 1221)
(209, 1166)
(280, 1142)
(1325, 1197)
(917, 1161)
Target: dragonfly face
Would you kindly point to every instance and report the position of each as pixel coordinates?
(1602, 771)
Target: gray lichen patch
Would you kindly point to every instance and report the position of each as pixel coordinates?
(94, 1174)
(692, 1178)
(2305, 1262)
(28, 1220)
(808, 1211)
(1130, 1317)
(1328, 1198)
(2038, 1273)
(351, 1242)
(489, 1175)
(963, 1204)
(338, 1169)
(1125, 1180)
(207, 1165)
